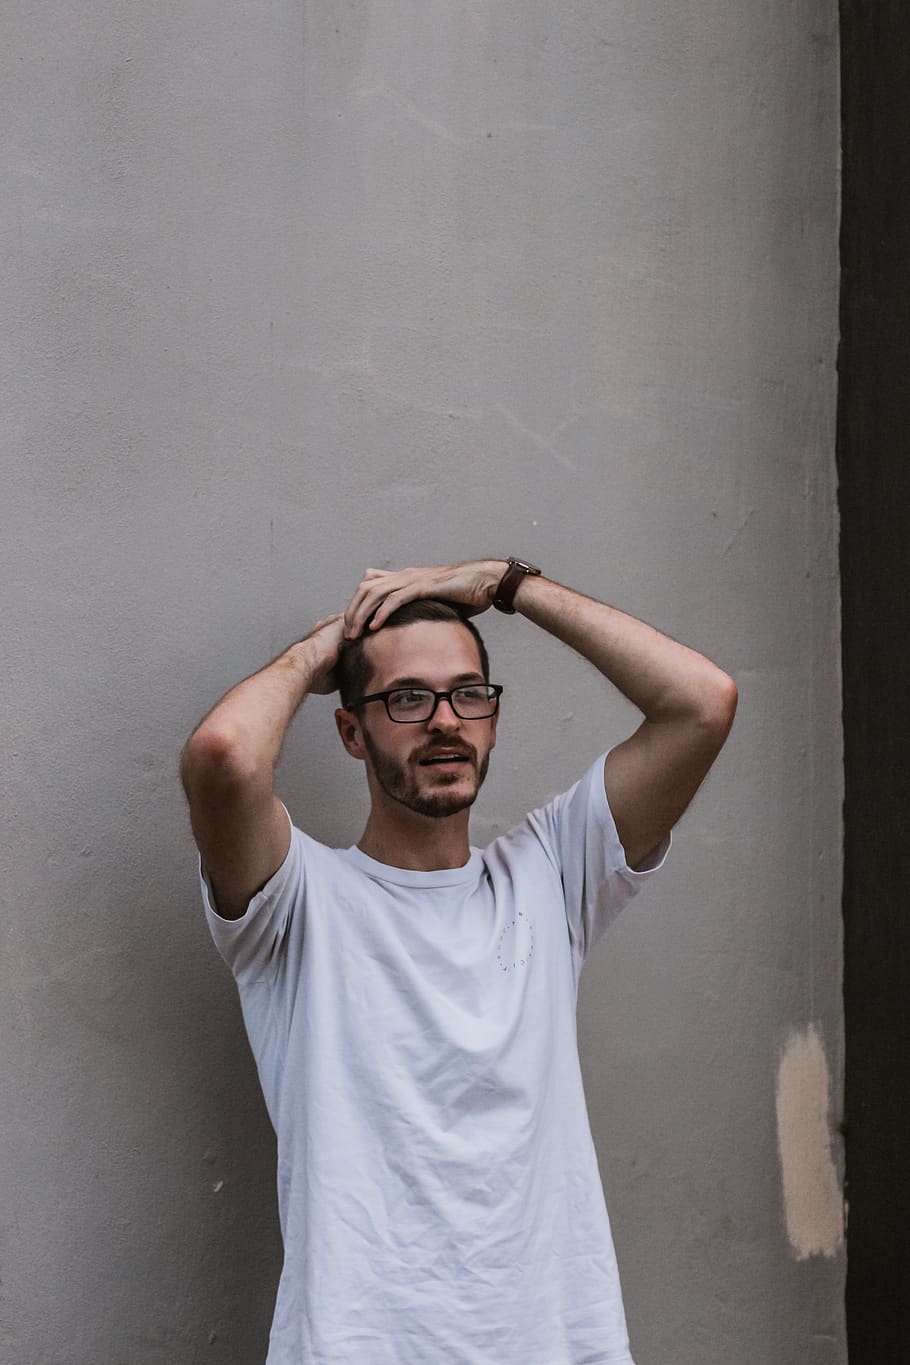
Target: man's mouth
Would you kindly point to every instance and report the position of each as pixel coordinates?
(443, 758)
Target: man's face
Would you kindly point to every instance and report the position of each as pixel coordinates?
(435, 767)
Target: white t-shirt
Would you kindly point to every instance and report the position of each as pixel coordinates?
(414, 1032)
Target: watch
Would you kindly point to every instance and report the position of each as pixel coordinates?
(518, 570)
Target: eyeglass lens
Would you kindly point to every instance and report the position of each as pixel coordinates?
(417, 703)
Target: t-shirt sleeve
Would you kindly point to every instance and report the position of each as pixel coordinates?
(579, 833)
(252, 945)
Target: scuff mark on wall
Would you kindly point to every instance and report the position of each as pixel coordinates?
(813, 1204)
(541, 442)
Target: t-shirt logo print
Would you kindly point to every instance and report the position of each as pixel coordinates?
(516, 943)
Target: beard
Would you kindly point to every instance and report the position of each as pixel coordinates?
(399, 780)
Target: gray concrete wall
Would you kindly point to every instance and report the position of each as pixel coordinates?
(296, 288)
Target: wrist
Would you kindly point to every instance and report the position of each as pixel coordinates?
(493, 572)
(515, 574)
(305, 661)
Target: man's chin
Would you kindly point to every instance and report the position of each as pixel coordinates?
(438, 807)
(435, 792)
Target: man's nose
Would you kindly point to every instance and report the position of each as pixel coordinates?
(444, 718)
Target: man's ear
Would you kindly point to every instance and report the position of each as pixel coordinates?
(349, 730)
(493, 729)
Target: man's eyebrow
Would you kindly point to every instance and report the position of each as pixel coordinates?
(422, 682)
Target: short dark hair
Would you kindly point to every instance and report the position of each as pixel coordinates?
(353, 669)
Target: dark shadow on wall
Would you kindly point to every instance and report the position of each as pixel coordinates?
(874, 474)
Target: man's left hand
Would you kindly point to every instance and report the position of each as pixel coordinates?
(471, 586)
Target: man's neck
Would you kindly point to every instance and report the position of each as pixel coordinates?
(416, 843)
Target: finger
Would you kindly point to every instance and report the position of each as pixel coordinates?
(368, 578)
(391, 602)
(361, 611)
(356, 612)
(369, 602)
(406, 586)
(350, 610)
(365, 601)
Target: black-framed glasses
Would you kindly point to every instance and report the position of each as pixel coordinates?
(411, 705)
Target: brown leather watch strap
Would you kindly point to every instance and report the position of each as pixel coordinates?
(518, 570)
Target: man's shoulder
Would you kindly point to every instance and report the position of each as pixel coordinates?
(521, 845)
(568, 807)
(316, 857)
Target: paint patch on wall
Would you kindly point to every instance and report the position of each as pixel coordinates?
(813, 1205)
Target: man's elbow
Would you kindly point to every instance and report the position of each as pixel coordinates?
(718, 707)
(212, 758)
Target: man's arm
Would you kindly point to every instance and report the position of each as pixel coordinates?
(228, 764)
(687, 702)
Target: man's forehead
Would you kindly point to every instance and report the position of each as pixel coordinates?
(427, 650)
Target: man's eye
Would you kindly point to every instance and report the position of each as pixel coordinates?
(410, 698)
(478, 693)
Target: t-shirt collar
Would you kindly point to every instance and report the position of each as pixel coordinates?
(403, 876)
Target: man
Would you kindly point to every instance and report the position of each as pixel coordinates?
(411, 1001)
